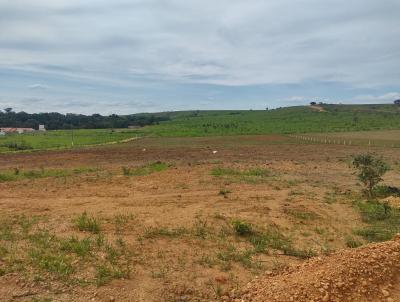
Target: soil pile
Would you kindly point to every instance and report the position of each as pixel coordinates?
(369, 273)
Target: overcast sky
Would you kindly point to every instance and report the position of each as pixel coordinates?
(127, 56)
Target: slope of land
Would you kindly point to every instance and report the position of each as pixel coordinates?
(370, 273)
(301, 119)
(177, 219)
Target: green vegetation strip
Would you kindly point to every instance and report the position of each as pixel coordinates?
(383, 221)
(301, 119)
(252, 175)
(61, 139)
(17, 174)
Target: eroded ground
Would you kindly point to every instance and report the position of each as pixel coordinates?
(171, 219)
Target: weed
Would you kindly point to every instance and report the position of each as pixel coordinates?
(105, 273)
(126, 171)
(252, 175)
(53, 262)
(301, 214)
(86, 223)
(330, 197)
(231, 254)
(165, 232)
(100, 240)
(224, 192)
(352, 242)
(303, 254)
(383, 220)
(207, 261)
(242, 228)
(120, 222)
(17, 174)
(74, 245)
(200, 229)
(145, 170)
(161, 273)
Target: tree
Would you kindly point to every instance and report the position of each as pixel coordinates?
(313, 103)
(397, 102)
(370, 170)
(7, 110)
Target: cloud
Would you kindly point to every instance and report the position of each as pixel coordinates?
(38, 87)
(155, 50)
(376, 99)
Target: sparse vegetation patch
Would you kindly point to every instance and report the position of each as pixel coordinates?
(145, 170)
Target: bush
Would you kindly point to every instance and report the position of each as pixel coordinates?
(242, 228)
(370, 170)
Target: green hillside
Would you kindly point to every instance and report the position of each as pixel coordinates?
(300, 119)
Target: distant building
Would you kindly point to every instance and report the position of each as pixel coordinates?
(42, 128)
(16, 130)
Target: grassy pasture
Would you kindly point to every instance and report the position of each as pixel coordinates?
(301, 119)
(62, 139)
(382, 138)
(291, 120)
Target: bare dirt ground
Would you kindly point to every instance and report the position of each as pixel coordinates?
(345, 276)
(180, 234)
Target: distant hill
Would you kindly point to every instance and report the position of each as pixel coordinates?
(298, 119)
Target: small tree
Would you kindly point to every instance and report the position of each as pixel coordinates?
(370, 170)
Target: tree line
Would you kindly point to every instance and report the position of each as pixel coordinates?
(56, 121)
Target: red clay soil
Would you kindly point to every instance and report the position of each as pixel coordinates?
(370, 273)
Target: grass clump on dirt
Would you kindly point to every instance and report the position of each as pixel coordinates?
(155, 232)
(382, 219)
(253, 175)
(145, 170)
(301, 214)
(86, 223)
(28, 246)
(242, 228)
(352, 242)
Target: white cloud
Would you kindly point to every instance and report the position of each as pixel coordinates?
(38, 86)
(146, 43)
(376, 99)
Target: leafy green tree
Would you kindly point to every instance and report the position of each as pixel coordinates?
(370, 169)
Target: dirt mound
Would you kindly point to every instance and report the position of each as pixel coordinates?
(370, 273)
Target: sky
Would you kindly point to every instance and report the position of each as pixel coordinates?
(129, 56)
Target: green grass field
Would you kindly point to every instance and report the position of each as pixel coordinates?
(62, 139)
(289, 120)
(301, 119)
(382, 138)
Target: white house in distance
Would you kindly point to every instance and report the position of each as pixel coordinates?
(10, 130)
(16, 130)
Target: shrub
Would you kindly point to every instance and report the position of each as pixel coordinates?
(370, 170)
(242, 228)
